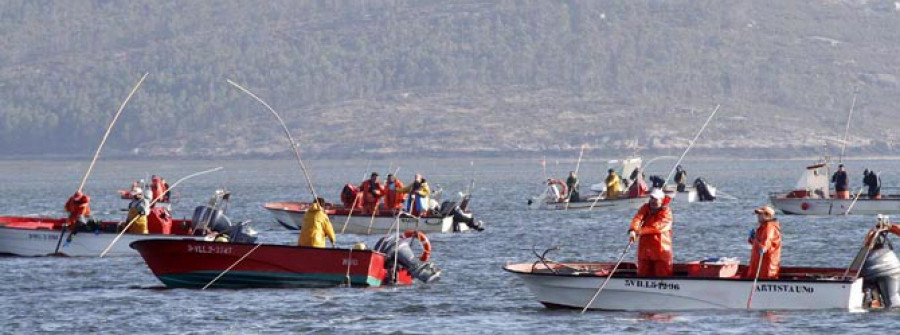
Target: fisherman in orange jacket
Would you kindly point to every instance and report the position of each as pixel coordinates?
(653, 223)
(79, 208)
(160, 189)
(766, 241)
(372, 191)
(393, 199)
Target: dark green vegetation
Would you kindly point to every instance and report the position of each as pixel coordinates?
(458, 77)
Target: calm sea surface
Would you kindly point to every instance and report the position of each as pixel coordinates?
(121, 295)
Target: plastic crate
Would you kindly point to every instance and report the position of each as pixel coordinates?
(713, 268)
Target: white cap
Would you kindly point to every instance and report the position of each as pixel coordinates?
(136, 191)
(657, 194)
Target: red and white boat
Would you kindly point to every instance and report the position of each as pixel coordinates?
(813, 196)
(195, 264)
(865, 284)
(449, 218)
(36, 236)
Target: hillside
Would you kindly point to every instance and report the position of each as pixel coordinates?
(448, 77)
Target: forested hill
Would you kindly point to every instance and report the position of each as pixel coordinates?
(454, 77)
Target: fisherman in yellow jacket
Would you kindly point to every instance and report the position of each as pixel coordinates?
(316, 226)
(612, 185)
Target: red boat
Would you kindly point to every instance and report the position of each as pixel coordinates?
(194, 264)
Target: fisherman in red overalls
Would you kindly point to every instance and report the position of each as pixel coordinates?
(653, 224)
(766, 241)
(372, 191)
(393, 199)
(79, 208)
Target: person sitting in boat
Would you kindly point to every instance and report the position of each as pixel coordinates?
(79, 208)
(765, 257)
(350, 197)
(680, 178)
(639, 187)
(371, 190)
(137, 212)
(841, 183)
(572, 186)
(393, 199)
(653, 224)
(316, 227)
(417, 196)
(613, 185)
(873, 181)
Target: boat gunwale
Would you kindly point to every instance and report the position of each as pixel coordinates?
(844, 280)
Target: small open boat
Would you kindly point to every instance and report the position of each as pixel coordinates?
(37, 236)
(813, 196)
(194, 264)
(449, 217)
(871, 281)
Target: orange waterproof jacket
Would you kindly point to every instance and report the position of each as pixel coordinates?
(77, 205)
(158, 186)
(655, 233)
(393, 199)
(767, 238)
(367, 188)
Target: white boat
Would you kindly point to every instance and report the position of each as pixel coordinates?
(22, 236)
(572, 285)
(450, 218)
(871, 281)
(689, 195)
(813, 196)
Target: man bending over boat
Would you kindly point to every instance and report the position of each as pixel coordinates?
(79, 208)
(653, 223)
(766, 241)
(316, 226)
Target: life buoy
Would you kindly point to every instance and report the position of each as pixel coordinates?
(426, 246)
(804, 206)
(562, 188)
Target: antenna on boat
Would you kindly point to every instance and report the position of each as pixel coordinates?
(847, 127)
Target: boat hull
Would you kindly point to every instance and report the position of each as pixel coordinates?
(193, 264)
(632, 293)
(290, 216)
(34, 237)
(807, 206)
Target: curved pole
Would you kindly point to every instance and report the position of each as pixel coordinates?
(109, 129)
(97, 153)
(672, 172)
(158, 197)
(286, 133)
(646, 165)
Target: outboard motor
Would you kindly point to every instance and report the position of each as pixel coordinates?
(882, 268)
(424, 271)
(206, 217)
(449, 208)
(703, 193)
(242, 233)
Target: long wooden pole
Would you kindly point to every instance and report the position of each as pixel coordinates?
(156, 199)
(616, 267)
(231, 267)
(574, 186)
(691, 145)
(286, 133)
(756, 278)
(100, 148)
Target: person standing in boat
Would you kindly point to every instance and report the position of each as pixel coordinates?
(873, 181)
(137, 212)
(652, 228)
(680, 178)
(766, 242)
(316, 227)
(841, 183)
(159, 187)
(371, 190)
(417, 196)
(639, 187)
(393, 199)
(572, 186)
(613, 185)
(79, 208)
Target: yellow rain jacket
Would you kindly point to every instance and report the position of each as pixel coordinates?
(137, 211)
(316, 226)
(612, 186)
